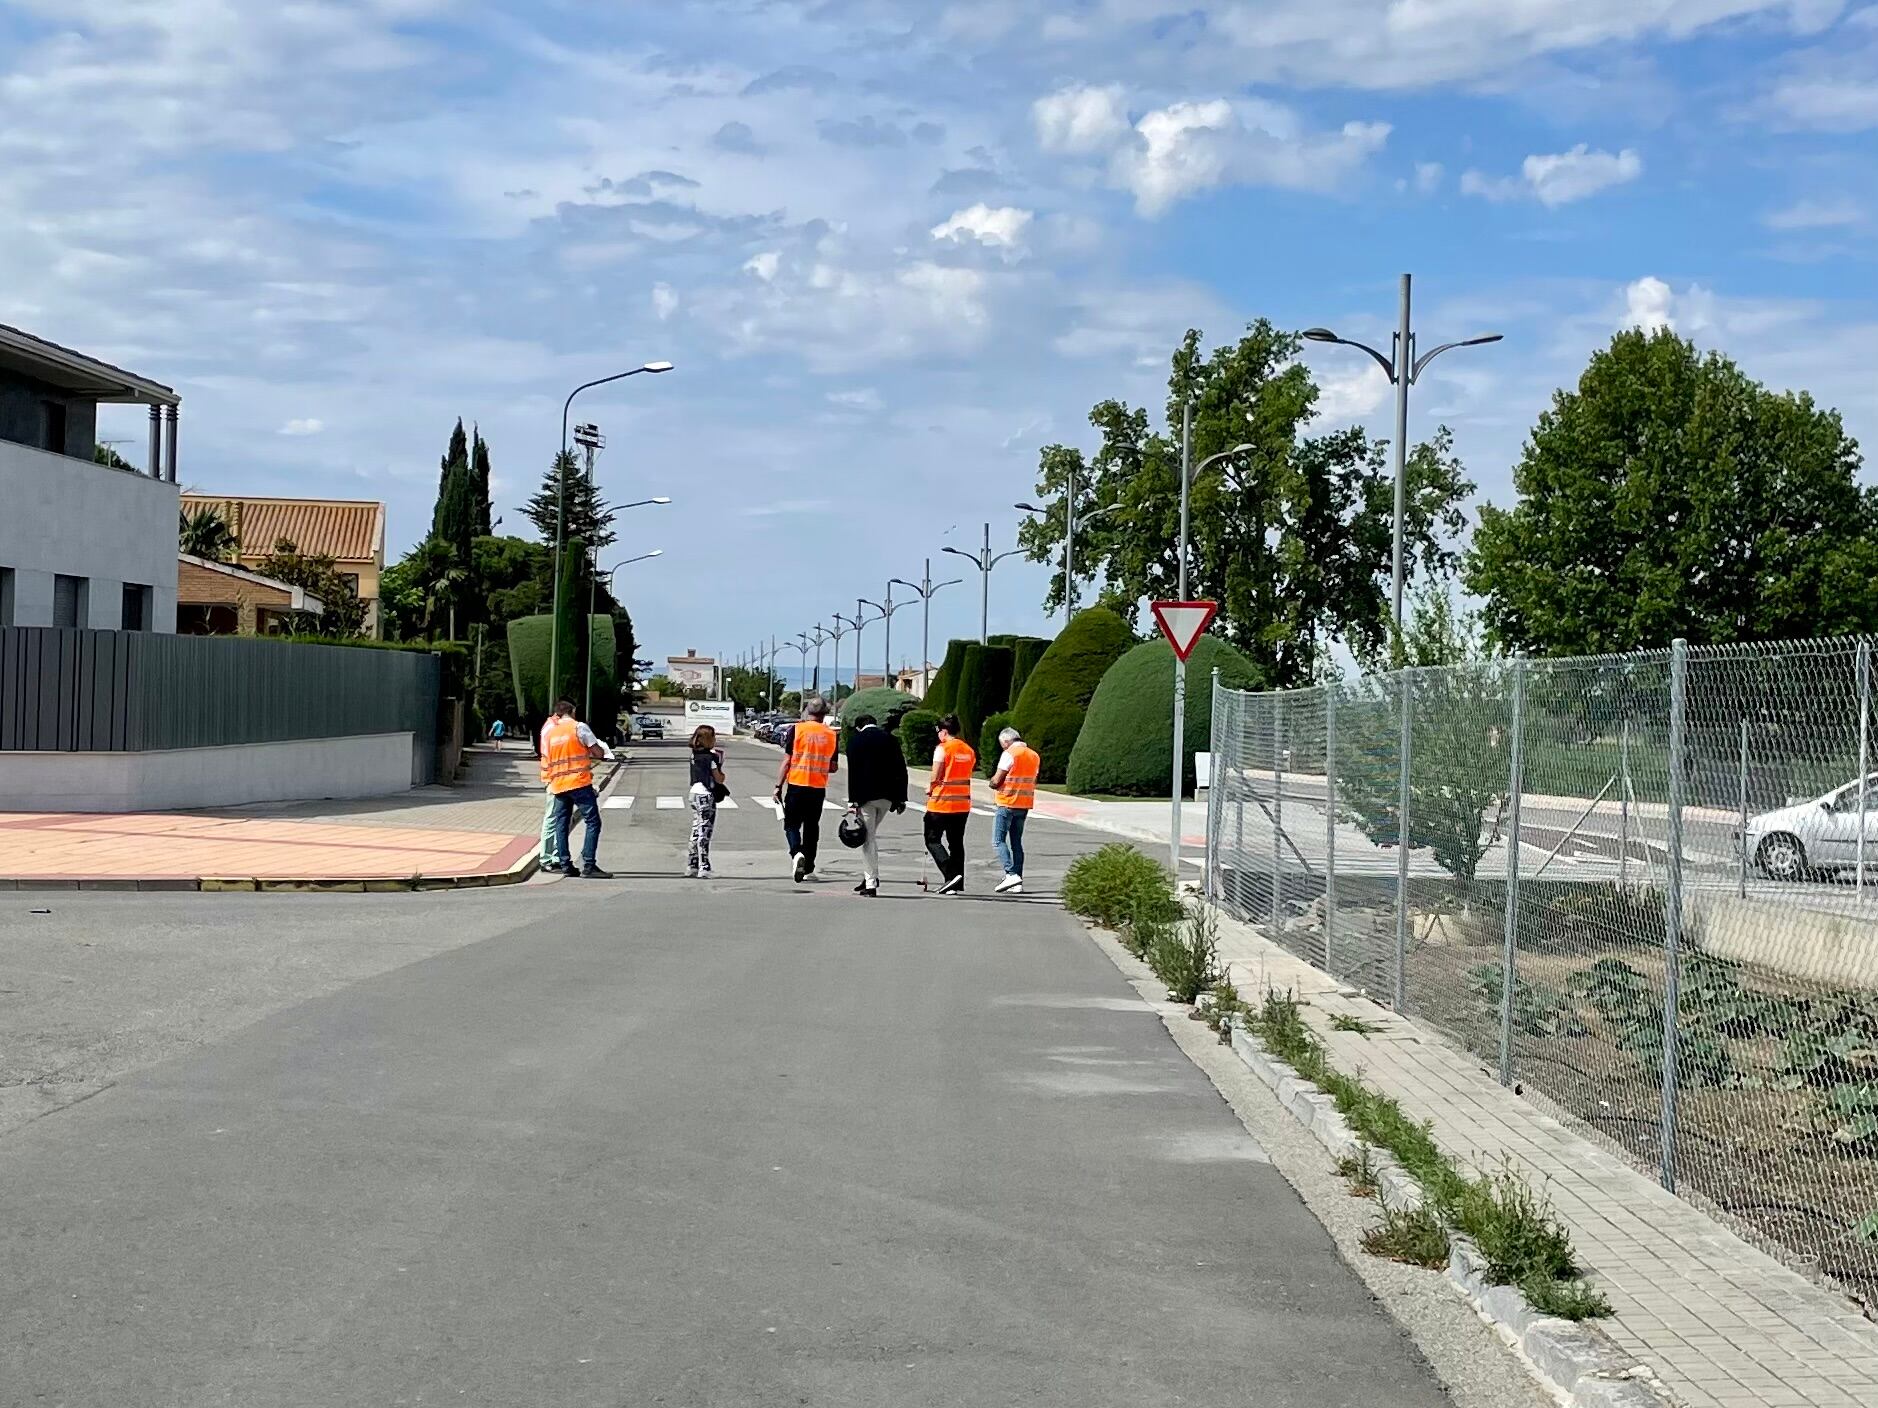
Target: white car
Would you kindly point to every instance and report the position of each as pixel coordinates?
(1816, 837)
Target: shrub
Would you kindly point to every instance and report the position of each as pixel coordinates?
(984, 686)
(942, 690)
(1415, 1237)
(989, 749)
(884, 703)
(919, 735)
(1108, 885)
(1187, 958)
(1024, 657)
(1050, 709)
(1125, 747)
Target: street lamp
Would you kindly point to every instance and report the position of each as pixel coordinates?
(1069, 539)
(926, 588)
(593, 586)
(802, 643)
(820, 636)
(885, 615)
(1404, 369)
(560, 510)
(984, 562)
(842, 627)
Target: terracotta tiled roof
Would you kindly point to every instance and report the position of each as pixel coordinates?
(348, 530)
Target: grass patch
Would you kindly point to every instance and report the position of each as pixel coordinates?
(1416, 1237)
(1513, 1224)
(1344, 1022)
(1360, 1169)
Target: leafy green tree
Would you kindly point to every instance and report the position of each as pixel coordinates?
(1669, 495)
(343, 613)
(588, 518)
(751, 688)
(206, 534)
(513, 577)
(1292, 538)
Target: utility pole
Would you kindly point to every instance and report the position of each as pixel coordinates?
(927, 589)
(984, 562)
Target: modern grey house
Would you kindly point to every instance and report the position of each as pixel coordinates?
(82, 544)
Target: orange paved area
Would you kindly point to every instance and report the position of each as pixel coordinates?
(159, 846)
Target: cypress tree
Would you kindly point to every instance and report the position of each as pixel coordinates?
(479, 471)
(458, 453)
(567, 622)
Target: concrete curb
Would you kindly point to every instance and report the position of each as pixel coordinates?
(296, 885)
(1576, 1361)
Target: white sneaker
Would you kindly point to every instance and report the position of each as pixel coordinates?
(1011, 885)
(802, 867)
(954, 886)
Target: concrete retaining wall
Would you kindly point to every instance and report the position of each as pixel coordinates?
(312, 769)
(1794, 940)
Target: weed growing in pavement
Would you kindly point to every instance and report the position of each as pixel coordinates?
(1187, 958)
(1416, 1237)
(1226, 1005)
(1524, 1243)
(1117, 886)
(1360, 1169)
(1344, 1022)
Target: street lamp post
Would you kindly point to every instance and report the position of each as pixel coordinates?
(593, 587)
(926, 588)
(839, 630)
(860, 621)
(886, 614)
(984, 562)
(802, 643)
(560, 512)
(820, 636)
(1069, 542)
(1404, 369)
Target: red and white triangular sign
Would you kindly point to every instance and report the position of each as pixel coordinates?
(1183, 621)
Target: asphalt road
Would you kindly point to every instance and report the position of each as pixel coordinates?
(656, 1141)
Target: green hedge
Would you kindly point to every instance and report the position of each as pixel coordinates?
(1050, 710)
(942, 689)
(884, 703)
(1126, 746)
(919, 735)
(989, 749)
(984, 686)
(1024, 657)
(530, 643)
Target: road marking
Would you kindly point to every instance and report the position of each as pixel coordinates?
(671, 804)
(729, 804)
(619, 804)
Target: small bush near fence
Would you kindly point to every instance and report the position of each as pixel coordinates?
(1118, 886)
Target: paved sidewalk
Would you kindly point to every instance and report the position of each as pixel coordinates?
(1722, 1324)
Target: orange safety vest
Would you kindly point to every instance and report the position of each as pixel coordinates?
(1020, 779)
(565, 761)
(812, 755)
(952, 779)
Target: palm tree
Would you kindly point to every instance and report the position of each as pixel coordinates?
(206, 534)
(441, 579)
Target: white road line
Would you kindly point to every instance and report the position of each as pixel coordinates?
(771, 803)
(671, 804)
(729, 804)
(619, 804)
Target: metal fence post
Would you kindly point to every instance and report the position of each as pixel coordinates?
(1278, 813)
(1330, 822)
(1516, 783)
(1864, 761)
(1741, 880)
(1216, 775)
(1623, 811)
(1672, 909)
(1407, 679)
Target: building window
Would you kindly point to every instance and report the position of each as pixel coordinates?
(71, 601)
(136, 607)
(55, 420)
(208, 619)
(351, 579)
(6, 596)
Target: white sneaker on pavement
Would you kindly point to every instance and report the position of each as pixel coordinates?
(1011, 885)
(954, 886)
(802, 867)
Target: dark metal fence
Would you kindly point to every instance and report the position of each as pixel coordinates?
(128, 691)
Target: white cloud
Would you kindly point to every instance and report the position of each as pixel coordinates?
(1080, 120)
(1428, 176)
(1002, 226)
(307, 426)
(664, 301)
(1350, 391)
(1558, 179)
(1814, 215)
(1190, 147)
(1649, 304)
(764, 265)
(864, 399)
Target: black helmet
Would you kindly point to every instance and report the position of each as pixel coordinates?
(852, 831)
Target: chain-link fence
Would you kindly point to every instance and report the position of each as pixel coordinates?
(1590, 872)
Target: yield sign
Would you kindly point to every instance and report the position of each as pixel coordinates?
(1183, 621)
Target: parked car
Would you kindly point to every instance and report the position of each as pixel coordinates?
(1814, 838)
(649, 726)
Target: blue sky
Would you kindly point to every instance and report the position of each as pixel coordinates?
(894, 248)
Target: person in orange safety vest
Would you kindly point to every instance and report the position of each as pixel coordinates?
(949, 804)
(809, 760)
(568, 748)
(1015, 783)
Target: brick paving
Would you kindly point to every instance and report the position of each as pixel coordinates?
(1719, 1321)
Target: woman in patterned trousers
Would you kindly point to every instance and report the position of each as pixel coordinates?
(707, 776)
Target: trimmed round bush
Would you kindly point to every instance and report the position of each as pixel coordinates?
(942, 690)
(1050, 710)
(984, 686)
(919, 735)
(1024, 657)
(989, 749)
(885, 703)
(1126, 745)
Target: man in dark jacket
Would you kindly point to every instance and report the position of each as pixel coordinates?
(876, 787)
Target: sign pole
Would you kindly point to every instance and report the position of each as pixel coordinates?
(1180, 657)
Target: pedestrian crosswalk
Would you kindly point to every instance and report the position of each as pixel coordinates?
(677, 803)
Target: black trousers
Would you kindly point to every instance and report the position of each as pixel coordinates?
(945, 839)
(802, 820)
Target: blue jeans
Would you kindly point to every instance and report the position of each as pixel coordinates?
(589, 803)
(1007, 838)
